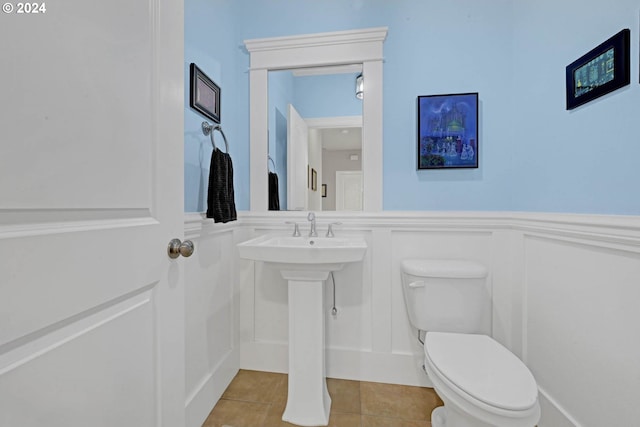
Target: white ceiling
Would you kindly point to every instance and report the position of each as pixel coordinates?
(341, 138)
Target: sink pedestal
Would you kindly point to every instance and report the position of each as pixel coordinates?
(305, 262)
(308, 401)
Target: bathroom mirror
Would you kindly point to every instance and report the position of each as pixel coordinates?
(315, 137)
(356, 47)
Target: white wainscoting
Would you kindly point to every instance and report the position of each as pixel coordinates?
(211, 317)
(564, 287)
(370, 338)
(582, 326)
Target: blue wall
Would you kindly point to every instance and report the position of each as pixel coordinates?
(534, 155)
(583, 160)
(327, 96)
(210, 28)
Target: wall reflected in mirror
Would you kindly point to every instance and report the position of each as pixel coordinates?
(315, 123)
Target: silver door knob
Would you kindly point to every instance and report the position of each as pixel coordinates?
(177, 248)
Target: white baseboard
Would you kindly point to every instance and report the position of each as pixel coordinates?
(201, 401)
(553, 415)
(341, 363)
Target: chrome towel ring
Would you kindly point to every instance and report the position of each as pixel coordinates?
(208, 129)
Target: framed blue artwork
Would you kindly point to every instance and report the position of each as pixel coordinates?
(448, 131)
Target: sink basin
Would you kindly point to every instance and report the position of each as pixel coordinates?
(304, 250)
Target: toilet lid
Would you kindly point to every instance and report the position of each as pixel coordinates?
(482, 368)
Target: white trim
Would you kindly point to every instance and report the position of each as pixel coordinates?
(213, 379)
(321, 71)
(553, 414)
(623, 230)
(334, 122)
(340, 363)
(199, 402)
(197, 225)
(317, 39)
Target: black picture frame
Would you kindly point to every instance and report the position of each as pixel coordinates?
(448, 131)
(205, 94)
(324, 190)
(604, 69)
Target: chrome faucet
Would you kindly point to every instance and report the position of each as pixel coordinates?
(296, 230)
(330, 229)
(312, 218)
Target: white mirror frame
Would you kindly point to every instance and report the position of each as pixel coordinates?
(317, 50)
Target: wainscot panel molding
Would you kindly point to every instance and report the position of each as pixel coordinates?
(559, 284)
(197, 225)
(212, 352)
(564, 290)
(616, 231)
(579, 316)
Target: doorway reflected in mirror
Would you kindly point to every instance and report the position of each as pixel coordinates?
(318, 127)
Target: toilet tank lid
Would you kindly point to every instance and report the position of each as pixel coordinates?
(444, 268)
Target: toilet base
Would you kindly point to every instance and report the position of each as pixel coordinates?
(438, 418)
(443, 417)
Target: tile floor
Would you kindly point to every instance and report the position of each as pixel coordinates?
(257, 399)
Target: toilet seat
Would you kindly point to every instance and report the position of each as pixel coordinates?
(480, 369)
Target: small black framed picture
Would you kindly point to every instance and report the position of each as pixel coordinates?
(600, 71)
(205, 94)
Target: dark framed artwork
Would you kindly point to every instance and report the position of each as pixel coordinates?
(448, 131)
(600, 71)
(205, 94)
(324, 190)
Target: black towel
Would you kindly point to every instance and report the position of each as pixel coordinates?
(220, 198)
(274, 198)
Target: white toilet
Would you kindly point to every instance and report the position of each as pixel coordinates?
(481, 383)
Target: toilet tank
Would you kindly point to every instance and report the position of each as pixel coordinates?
(447, 295)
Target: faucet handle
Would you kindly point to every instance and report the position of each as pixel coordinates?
(330, 229)
(312, 219)
(296, 230)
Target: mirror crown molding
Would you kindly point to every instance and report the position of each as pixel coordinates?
(362, 46)
(319, 49)
(305, 40)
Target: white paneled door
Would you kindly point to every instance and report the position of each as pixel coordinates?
(349, 190)
(298, 172)
(91, 131)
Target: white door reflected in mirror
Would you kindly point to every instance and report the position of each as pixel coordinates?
(297, 161)
(349, 190)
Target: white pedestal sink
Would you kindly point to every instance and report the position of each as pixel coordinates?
(305, 262)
